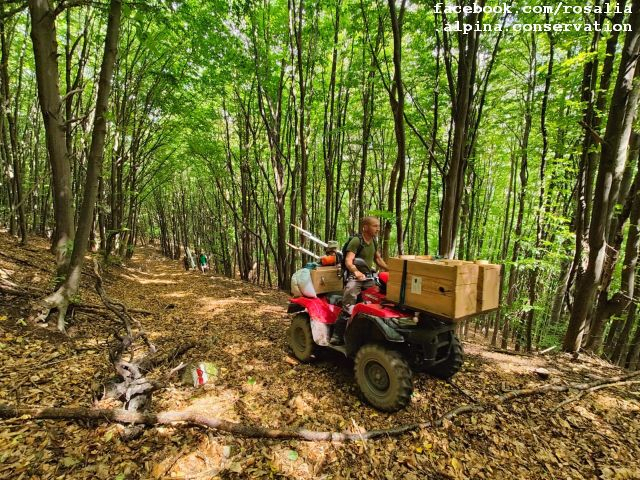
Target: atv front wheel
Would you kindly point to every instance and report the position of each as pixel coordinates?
(300, 338)
(453, 363)
(384, 377)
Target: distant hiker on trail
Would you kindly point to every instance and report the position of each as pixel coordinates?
(362, 246)
(203, 262)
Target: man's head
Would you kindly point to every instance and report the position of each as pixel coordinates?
(370, 226)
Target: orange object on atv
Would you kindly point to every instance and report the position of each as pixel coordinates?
(328, 260)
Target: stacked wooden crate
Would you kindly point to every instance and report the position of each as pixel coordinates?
(489, 281)
(449, 288)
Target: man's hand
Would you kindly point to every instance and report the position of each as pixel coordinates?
(360, 276)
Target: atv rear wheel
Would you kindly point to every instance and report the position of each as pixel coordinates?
(384, 377)
(453, 362)
(300, 338)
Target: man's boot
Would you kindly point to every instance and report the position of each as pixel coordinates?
(337, 338)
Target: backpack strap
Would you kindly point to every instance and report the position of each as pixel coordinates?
(361, 246)
(375, 245)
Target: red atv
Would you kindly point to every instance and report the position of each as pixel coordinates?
(387, 343)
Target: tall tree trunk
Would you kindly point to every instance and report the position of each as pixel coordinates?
(524, 179)
(45, 51)
(61, 297)
(610, 160)
(396, 98)
(540, 218)
(11, 149)
(608, 307)
(461, 107)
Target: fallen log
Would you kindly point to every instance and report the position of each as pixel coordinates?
(258, 431)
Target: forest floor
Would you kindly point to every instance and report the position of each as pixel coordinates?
(241, 328)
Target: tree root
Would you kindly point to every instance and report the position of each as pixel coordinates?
(257, 431)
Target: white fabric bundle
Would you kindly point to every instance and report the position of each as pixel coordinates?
(301, 283)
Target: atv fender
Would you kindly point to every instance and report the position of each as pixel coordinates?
(369, 329)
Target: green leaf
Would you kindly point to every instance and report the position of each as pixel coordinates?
(120, 476)
(251, 381)
(292, 455)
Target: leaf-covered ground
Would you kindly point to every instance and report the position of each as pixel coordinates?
(242, 330)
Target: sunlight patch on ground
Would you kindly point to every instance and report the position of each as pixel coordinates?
(236, 349)
(607, 401)
(209, 305)
(177, 295)
(215, 402)
(290, 462)
(142, 281)
(270, 309)
(141, 271)
(509, 363)
(206, 461)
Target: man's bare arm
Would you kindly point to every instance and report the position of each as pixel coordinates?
(380, 262)
(348, 262)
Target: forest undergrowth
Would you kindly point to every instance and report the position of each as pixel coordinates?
(241, 329)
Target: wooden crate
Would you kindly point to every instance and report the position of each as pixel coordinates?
(489, 281)
(442, 287)
(326, 279)
(489, 287)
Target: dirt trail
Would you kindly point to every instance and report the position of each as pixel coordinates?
(241, 329)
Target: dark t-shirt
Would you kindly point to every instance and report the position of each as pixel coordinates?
(367, 253)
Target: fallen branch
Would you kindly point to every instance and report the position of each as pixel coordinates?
(547, 350)
(170, 417)
(586, 392)
(511, 352)
(257, 431)
(10, 288)
(24, 262)
(92, 308)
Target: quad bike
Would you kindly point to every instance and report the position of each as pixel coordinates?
(388, 343)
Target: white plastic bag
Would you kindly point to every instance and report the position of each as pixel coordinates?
(302, 278)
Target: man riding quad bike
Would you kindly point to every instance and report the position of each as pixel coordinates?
(388, 343)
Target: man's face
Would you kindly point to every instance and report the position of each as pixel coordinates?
(372, 228)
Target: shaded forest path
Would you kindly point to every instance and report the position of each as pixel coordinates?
(241, 328)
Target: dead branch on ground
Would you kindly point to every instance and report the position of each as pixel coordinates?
(257, 431)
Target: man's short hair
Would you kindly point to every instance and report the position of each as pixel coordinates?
(367, 221)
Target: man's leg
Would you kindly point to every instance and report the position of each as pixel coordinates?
(349, 299)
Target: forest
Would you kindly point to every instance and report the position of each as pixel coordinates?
(149, 127)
